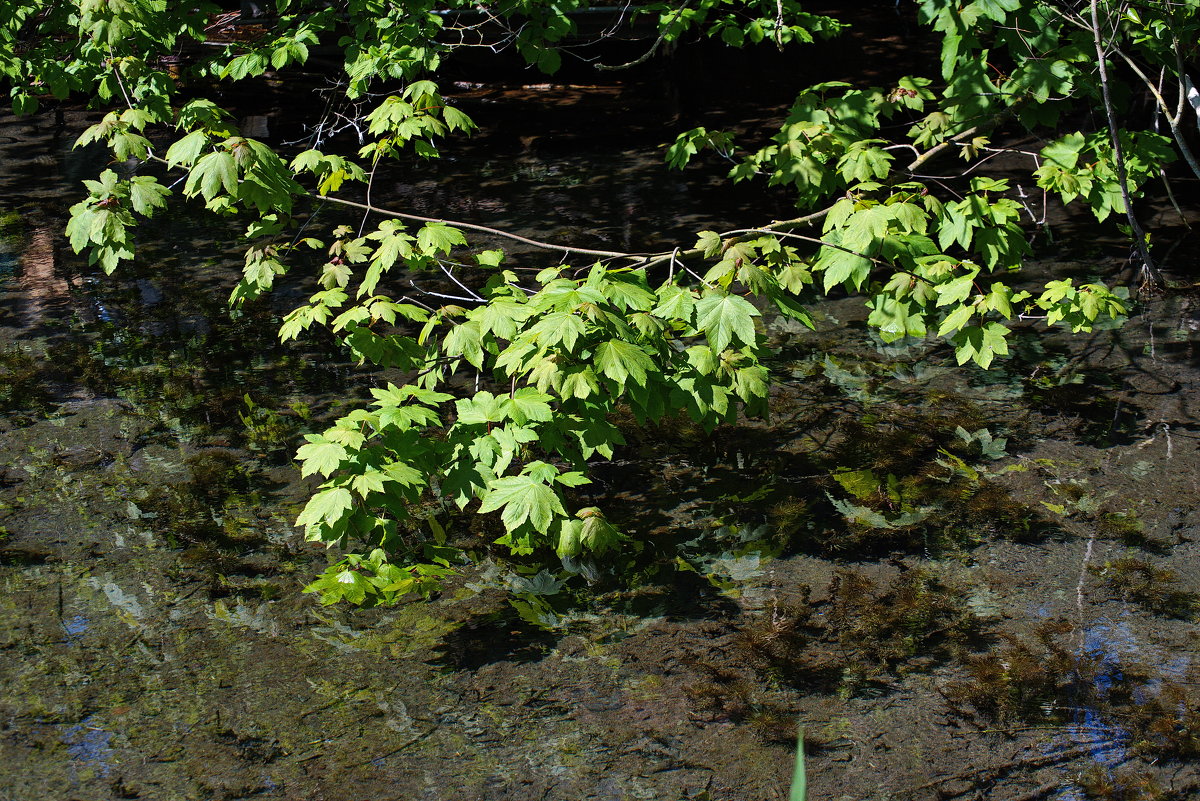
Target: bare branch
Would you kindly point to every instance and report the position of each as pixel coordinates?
(653, 48)
(608, 254)
(1139, 235)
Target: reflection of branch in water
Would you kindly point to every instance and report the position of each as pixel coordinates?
(979, 775)
(39, 282)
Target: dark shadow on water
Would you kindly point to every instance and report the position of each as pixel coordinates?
(497, 637)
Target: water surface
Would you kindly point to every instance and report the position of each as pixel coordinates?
(948, 615)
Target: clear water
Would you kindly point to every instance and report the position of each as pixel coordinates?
(1031, 636)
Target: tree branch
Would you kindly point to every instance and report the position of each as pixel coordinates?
(642, 59)
(675, 254)
(1172, 120)
(1139, 235)
(609, 254)
(937, 150)
(654, 259)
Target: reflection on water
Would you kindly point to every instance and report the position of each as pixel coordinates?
(89, 750)
(41, 284)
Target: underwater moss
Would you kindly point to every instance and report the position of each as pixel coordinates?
(777, 642)
(1153, 588)
(911, 623)
(23, 388)
(1167, 722)
(1101, 783)
(787, 516)
(213, 508)
(266, 429)
(217, 473)
(1125, 528)
(896, 438)
(1045, 678)
(1025, 679)
(865, 633)
(727, 694)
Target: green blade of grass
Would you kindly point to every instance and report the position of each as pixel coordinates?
(799, 777)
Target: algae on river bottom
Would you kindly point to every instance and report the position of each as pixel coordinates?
(154, 642)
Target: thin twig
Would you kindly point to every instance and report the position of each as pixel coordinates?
(433, 294)
(370, 183)
(653, 48)
(996, 119)
(450, 274)
(485, 229)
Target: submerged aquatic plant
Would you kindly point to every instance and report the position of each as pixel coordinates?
(1024, 679)
(864, 633)
(912, 622)
(1155, 589)
(1103, 783)
(270, 430)
(24, 389)
(1048, 677)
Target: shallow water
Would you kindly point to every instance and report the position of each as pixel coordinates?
(995, 620)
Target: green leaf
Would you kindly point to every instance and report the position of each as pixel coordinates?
(750, 383)
(327, 506)
(598, 536)
(548, 60)
(501, 317)
(997, 10)
(981, 343)
(794, 276)
(1065, 151)
(320, 456)
(956, 320)
(579, 383)
(558, 328)
(370, 481)
(702, 358)
(896, 319)
(187, 150)
(625, 292)
(146, 194)
(621, 360)
(456, 120)
(956, 290)
(573, 479)
(710, 243)
(212, 173)
(523, 499)
(865, 227)
(725, 317)
(437, 237)
(842, 267)
(1041, 78)
(675, 302)
(481, 409)
(525, 405)
(465, 340)
(489, 258)
(863, 163)
(406, 417)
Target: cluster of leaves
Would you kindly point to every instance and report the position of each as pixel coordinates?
(551, 361)
(738, 24)
(929, 262)
(570, 353)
